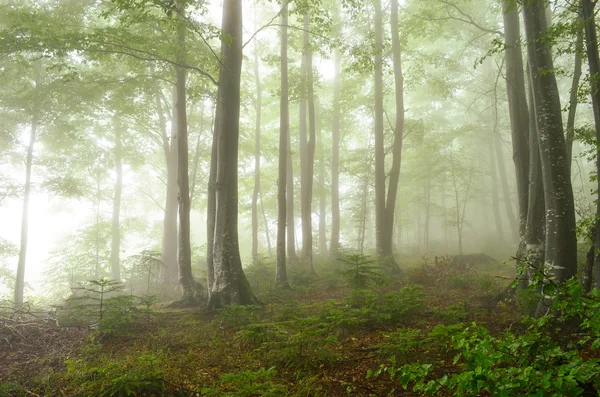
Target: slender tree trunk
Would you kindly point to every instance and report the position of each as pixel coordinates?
(322, 196)
(573, 96)
(115, 248)
(186, 279)
(211, 204)
(561, 241)
(291, 224)
(194, 180)
(20, 281)
(168, 273)
(427, 189)
(256, 191)
(334, 245)
(518, 112)
(494, 189)
(512, 220)
(307, 146)
(284, 126)
(264, 215)
(379, 137)
(230, 286)
(591, 43)
(98, 201)
(534, 230)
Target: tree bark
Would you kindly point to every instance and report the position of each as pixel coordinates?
(322, 191)
(518, 112)
(561, 241)
(284, 126)
(186, 279)
(256, 191)
(291, 224)
(211, 204)
(20, 281)
(573, 96)
(115, 247)
(334, 244)
(384, 207)
(534, 230)
(168, 273)
(591, 43)
(230, 285)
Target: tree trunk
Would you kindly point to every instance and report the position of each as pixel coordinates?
(512, 220)
(534, 230)
(334, 244)
(211, 204)
(591, 43)
(115, 248)
(379, 138)
(256, 192)
(264, 215)
(186, 279)
(573, 96)
(284, 126)
(20, 281)
(518, 112)
(494, 189)
(194, 180)
(291, 224)
(230, 285)
(168, 273)
(307, 155)
(322, 195)
(561, 241)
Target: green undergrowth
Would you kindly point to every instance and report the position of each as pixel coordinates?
(350, 336)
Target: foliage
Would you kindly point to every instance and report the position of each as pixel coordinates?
(235, 316)
(550, 359)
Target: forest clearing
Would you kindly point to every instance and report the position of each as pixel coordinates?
(299, 198)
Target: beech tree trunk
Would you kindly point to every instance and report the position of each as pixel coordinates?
(334, 244)
(536, 212)
(230, 286)
(322, 191)
(186, 279)
(573, 95)
(20, 281)
(256, 191)
(591, 43)
(115, 247)
(284, 126)
(384, 207)
(518, 112)
(561, 240)
(291, 224)
(168, 273)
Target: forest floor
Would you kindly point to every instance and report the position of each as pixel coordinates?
(320, 338)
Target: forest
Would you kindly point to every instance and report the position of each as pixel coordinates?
(299, 198)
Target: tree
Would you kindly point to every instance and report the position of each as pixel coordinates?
(384, 208)
(115, 259)
(284, 126)
(334, 244)
(230, 285)
(256, 191)
(561, 240)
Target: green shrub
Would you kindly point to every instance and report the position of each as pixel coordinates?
(455, 313)
(403, 303)
(400, 342)
(546, 360)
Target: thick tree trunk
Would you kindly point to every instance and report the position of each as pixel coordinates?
(20, 281)
(256, 191)
(168, 273)
(518, 112)
(186, 279)
(561, 241)
(284, 126)
(591, 43)
(115, 247)
(230, 285)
